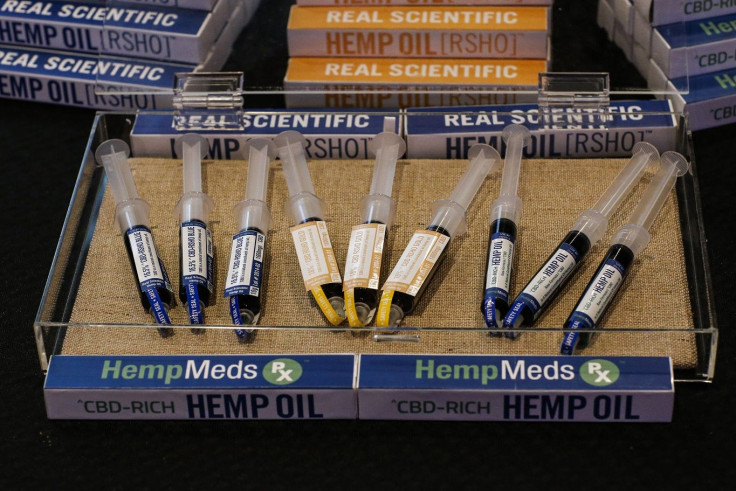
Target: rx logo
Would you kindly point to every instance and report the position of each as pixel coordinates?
(599, 373)
(282, 371)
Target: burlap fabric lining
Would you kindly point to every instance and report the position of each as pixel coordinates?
(655, 296)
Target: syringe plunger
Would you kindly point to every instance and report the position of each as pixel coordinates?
(253, 212)
(449, 214)
(635, 234)
(130, 210)
(303, 204)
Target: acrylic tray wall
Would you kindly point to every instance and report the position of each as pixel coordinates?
(681, 326)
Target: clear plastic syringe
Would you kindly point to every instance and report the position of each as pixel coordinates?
(313, 246)
(377, 210)
(246, 268)
(586, 232)
(196, 255)
(628, 243)
(154, 287)
(426, 249)
(505, 215)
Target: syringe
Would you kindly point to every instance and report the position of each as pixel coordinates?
(246, 268)
(312, 241)
(586, 232)
(196, 255)
(426, 249)
(154, 287)
(629, 242)
(505, 215)
(377, 209)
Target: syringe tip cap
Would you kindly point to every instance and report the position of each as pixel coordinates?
(487, 152)
(513, 130)
(191, 139)
(678, 161)
(110, 147)
(259, 144)
(286, 138)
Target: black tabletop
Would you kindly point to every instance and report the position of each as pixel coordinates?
(41, 147)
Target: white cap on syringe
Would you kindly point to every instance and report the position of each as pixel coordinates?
(508, 203)
(449, 214)
(130, 210)
(635, 234)
(253, 211)
(593, 222)
(193, 204)
(303, 204)
(387, 147)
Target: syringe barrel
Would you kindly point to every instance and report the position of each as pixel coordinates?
(672, 165)
(377, 208)
(304, 206)
(506, 206)
(130, 210)
(253, 213)
(517, 137)
(593, 224)
(290, 146)
(642, 154)
(195, 205)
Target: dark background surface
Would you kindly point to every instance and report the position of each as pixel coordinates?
(41, 148)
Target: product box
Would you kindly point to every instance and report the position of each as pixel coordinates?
(329, 134)
(711, 100)
(163, 34)
(421, 32)
(403, 82)
(103, 82)
(660, 12)
(697, 47)
(508, 388)
(448, 133)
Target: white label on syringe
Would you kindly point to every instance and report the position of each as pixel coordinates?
(544, 285)
(246, 264)
(194, 252)
(147, 265)
(500, 258)
(416, 262)
(601, 292)
(315, 254)
(363, 265)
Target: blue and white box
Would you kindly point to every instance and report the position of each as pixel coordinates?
(711, 100)
(697, 47)
(243, 387)
(330, 134)
(661, 12)
(448, 133)
(184, 36)
(515, 388)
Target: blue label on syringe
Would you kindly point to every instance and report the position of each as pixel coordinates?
(594, 302)
(246, 264)
(500, 258)
(195, 263)
(549, 278)
(148, 266)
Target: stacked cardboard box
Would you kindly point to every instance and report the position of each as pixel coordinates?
(352, 53)
(119, 54)
(685, 50)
